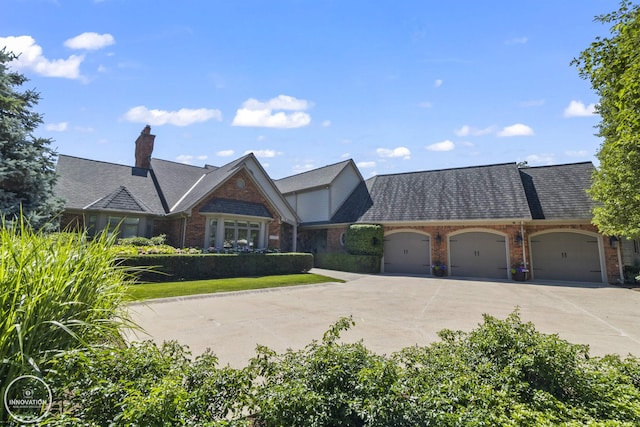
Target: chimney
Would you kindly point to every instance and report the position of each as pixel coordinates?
(144, 148)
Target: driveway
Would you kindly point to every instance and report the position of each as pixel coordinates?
(391, 312)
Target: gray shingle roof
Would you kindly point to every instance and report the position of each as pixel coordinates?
(175, 179)
(120, 200)
(314, 178)
(83, 182)
(473, 193)
(559, 192)
(236, 207)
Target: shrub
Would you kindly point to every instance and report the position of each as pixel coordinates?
(367, 264)
(147, 385)
(142, 241)
(158, 268)
(56, 293)
(365, 239)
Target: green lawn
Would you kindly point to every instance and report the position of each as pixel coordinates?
(146, 291)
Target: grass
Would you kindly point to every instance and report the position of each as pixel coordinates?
(146, 291)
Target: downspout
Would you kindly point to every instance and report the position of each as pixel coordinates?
(524, 252)
(620, 269)
(184, 230)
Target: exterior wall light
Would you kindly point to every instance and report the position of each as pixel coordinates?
(613, 241)
(519, 239)
(438, 238)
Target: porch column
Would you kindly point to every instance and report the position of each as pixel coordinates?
(295, 238)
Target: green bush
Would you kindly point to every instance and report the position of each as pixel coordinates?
(142, 241)
(631, 274)
(503, 373)
(365, 239)
(147, 385)
(57, 293)
(366, 264)
(163, 268)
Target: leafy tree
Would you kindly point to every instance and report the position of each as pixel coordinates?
(27, 172)
(612, 65)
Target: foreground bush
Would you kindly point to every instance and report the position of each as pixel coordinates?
(57, 293)
(504, 373)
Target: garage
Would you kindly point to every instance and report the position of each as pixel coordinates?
(566, 256)
(478, 254)
(407, 252)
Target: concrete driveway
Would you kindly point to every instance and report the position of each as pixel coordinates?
(391, 312)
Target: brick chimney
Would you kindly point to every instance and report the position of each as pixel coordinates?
(144, 148)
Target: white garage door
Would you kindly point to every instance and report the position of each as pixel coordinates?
(407, 253)
(565, 256)
(478, 254)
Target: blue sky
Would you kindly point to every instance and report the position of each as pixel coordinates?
(395, 85)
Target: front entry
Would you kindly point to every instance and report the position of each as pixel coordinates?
(407, 252)
(478, 254)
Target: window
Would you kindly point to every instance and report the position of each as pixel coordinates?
(128, 226)
(241, 235)
(92, 221)
(213, 228)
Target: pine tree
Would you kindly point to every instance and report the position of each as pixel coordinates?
(27, 168)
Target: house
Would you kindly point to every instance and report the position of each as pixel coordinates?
(478, 221)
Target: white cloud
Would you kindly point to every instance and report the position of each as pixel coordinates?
(403, 152)
(516, 130)
(182, 117)
(517, 40)
(326, 123)
(299, 168)
(32, 58)
(187, 158)
(90, 41)
(366, 165)
(441, 146)
(425, 104)
(57, 127)
(345, 155)
(280, 102)
(437, 83)
(579, 109)
(545, 159)
(256, 113)
(225, 153)
(467, 130)
(263, 153)
(578, 153)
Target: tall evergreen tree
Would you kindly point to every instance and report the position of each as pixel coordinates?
(612, 65)
(27, 168)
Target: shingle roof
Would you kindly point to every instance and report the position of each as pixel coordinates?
(121, 200)
(237, 207)
(175, 179)
(78, 179)
(559, 192)
(314, 178)
(472, 193)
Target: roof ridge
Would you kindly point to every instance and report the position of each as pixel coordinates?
(93, 160)
(315, 169)
(560, 165)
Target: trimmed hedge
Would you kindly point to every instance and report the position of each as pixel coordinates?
(365, 239)
(169, 268)
(368, 264)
